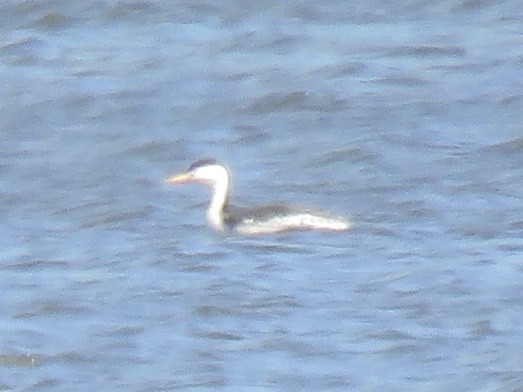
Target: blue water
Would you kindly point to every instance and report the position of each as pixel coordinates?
(407, 119)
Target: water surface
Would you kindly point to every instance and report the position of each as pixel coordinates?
(404, 118)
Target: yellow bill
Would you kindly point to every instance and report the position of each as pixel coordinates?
(179, 178)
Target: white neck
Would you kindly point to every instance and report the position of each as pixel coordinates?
(220, 192)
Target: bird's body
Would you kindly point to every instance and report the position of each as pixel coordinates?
(255, 220)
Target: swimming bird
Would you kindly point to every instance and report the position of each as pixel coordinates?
(255, 220)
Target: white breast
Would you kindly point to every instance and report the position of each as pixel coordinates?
(298, 221)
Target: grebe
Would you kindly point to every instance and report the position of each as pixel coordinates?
(255, 220)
